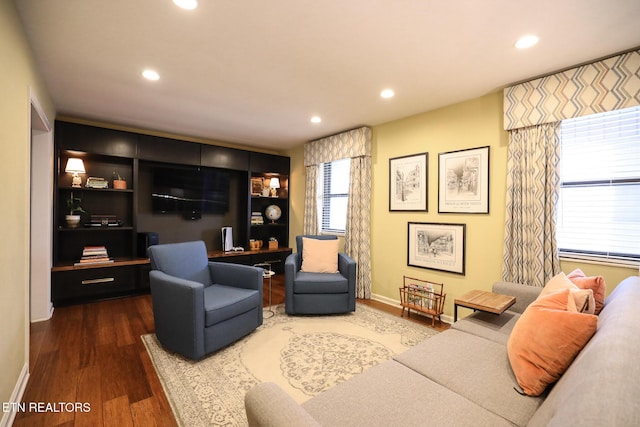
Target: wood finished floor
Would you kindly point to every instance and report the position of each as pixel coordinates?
(93, 353)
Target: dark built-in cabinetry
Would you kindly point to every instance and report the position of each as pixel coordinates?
(112, 218)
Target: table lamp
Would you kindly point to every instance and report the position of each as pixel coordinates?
(274, 184)
(75, 166)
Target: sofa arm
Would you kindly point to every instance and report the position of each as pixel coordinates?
(524, 294)
(237, 275)
(178, 312)
(267, 405)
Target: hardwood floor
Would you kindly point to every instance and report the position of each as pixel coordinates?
(93, 354)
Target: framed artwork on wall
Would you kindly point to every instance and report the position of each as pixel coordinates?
(463, 181)
(408, 183)
(436, 246)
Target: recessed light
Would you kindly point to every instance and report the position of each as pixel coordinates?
(387, 93)
(527, 41)
(150, 75)
(186, 4)
(316, 119)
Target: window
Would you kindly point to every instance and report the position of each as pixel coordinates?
(598, 209)
(333, 196)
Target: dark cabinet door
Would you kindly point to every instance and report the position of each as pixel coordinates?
(269, 163)
(91, 139)
(223, 157)
(168, 150)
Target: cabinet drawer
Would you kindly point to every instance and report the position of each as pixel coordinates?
(89, 284)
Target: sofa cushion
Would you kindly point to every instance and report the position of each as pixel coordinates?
(320, 283)
(488, 325)
(581, 299)
(224, 302)
(546, 339)
(476, 369)
(595, 283)
(319, 256)
(391, 394)
(602, 385)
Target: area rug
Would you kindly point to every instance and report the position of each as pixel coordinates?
(305, 355)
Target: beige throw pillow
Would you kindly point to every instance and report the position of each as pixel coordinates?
(319, 256)
(583, 301)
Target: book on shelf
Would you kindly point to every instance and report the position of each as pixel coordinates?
(94, 255)
(95, 182)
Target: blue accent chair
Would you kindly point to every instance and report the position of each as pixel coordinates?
(319, 293)
(201, 306)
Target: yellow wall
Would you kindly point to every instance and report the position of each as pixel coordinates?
(18, 75)
(470, 124)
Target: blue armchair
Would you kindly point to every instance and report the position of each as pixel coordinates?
(201, 306)
(319, 293)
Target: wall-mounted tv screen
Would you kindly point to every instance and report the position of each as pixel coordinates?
(189, 190)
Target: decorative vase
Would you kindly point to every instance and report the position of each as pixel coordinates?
(72, 220)
(119, 184)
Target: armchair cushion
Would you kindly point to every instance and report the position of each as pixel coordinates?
(320, 283)
(319, 256)
(224, 302)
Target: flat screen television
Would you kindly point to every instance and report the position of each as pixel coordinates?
(190, 191)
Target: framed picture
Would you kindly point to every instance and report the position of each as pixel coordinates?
(256, 186)
(463, 181)
(436, 246)
(408, 183)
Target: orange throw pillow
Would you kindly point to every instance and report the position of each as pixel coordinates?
(546, 339)
(595, 283)
(583, 298)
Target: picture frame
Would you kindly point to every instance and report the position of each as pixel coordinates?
(257, 186)
(408, 179)
(436, 246)
(463, 181)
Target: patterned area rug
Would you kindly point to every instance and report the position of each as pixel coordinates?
(304, 355)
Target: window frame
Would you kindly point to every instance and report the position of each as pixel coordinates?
(325, 197)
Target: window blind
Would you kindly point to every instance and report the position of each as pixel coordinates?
(599, 206)
(334, 196)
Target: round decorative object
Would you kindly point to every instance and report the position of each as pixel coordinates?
(273, 212)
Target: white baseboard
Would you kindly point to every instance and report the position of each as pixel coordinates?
(16, 396)
(49, 315)
(396, 303)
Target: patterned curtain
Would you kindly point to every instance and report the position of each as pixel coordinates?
(357, 237)
(310, 222)
(355, 145)
(530, 249)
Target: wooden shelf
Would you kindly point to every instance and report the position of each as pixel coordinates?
(117, 262)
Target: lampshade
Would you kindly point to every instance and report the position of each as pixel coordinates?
(275, 183)
(74, 166)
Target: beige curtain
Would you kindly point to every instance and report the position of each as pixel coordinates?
(357, 237)
(310, 221)
(355, 145)
(530, 249)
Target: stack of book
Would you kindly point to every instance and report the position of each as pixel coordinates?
(256, 218)
(94, 255)
(94, 182)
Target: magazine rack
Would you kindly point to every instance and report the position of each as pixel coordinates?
(422, 296)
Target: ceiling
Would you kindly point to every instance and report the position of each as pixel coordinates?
(253, 72)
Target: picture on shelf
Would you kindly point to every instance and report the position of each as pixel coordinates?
(257, 186)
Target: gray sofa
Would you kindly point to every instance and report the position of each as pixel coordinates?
(462, 377)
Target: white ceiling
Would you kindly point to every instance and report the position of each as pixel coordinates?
(254, 71)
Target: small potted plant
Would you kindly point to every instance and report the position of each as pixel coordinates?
(119, 183)
(75, 209)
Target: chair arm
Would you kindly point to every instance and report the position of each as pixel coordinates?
(267, 405)
(237, 275)
(291, 267)
(347, 267)
(178, 311)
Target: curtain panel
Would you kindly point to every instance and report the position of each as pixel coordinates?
(607, 85)
(355, 145)
(533, 184)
